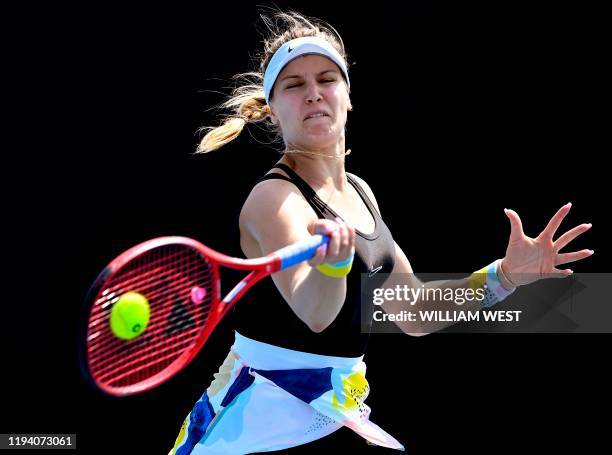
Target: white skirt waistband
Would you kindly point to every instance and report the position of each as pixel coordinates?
(264, 356)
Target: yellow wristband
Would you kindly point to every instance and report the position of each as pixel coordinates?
(478, 279)
(339, 270)
(487, 278)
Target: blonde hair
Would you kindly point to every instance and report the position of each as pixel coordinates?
(247, 103)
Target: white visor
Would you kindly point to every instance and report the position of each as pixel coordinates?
(295, 48)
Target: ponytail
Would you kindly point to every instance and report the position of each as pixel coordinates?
(248, 104)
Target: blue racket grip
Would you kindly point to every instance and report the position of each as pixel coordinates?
(301, 251)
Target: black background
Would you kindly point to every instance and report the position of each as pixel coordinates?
(460, 111)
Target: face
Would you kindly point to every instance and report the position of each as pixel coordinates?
(308, 85)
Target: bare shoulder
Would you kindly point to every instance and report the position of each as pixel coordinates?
(367, 189)
(274, 214)
(268, 198)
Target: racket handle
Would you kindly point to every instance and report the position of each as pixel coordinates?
(301, 251)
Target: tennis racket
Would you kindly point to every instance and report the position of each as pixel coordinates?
(180, 278)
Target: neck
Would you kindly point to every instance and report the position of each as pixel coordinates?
(320, 168)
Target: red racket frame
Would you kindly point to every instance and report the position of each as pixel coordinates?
(259, 268)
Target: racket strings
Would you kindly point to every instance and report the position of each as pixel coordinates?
(137, 360)
(157, 291)
(157, 326)
(166, 276)
(134, 273)
(153, 290)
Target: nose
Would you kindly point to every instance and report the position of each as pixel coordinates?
(313, 95)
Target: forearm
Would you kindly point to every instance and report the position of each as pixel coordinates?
(439, 296)
(317, 299)
(425, 301)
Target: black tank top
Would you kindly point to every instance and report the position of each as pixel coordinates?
(264, 315)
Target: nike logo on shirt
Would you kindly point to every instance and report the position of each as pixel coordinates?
(374, 270)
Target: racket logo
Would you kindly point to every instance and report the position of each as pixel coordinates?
(180, 317)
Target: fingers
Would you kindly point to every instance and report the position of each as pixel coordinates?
(570, 235)
(516, 226)
(555, 222)
(347, 247)
(334, 243)
(557, 273)
(572, 257)
(345, 243)
(319, 257)
(325, 227)
(341, 245)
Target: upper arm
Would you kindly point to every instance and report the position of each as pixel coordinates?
(402, 275)
(276, 215)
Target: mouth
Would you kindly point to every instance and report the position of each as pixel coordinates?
(316, 114)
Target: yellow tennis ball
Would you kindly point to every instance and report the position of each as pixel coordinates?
(129, 315)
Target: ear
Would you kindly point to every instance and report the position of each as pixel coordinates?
(350, 105)
(273, 117)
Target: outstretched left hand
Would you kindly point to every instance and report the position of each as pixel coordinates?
(528, 260)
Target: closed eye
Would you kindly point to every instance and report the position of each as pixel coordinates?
(324, 81)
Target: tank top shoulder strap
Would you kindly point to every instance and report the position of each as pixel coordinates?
(364, 196)
(273, 176)
(304, 187)
(309, 194)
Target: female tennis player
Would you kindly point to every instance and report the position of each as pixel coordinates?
(297, 374)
